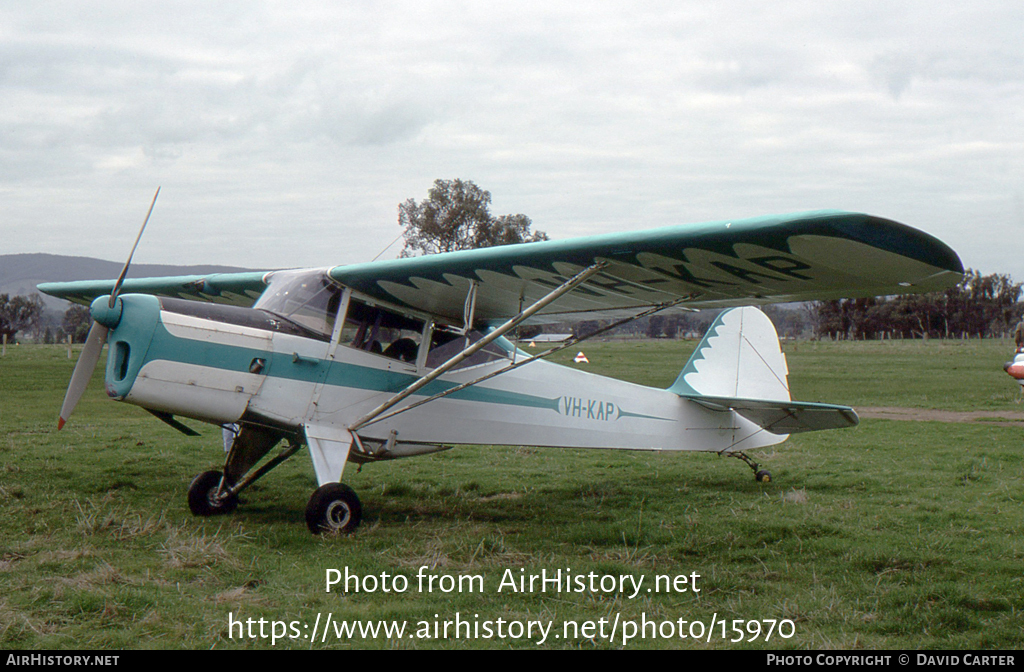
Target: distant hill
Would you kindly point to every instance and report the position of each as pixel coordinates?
(20, 273)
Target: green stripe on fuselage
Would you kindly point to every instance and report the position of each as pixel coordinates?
(168, 347)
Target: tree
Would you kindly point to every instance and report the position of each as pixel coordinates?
(76, 322)
(456, 216)
(982, 304)
(979, 305)
(655, 326)
(671, 327)
(19, 313)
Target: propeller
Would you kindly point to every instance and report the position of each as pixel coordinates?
(96, 339)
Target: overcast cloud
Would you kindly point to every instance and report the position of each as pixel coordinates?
(286, 134)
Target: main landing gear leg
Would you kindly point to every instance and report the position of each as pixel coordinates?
(760, 475)
(334, 507)
(213, 492)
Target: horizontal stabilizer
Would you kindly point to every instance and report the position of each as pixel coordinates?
(783, 417)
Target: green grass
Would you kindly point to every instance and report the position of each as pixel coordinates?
(889, 535)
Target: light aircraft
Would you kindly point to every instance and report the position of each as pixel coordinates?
(392, 359)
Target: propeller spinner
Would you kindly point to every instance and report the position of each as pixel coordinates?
(98, 335)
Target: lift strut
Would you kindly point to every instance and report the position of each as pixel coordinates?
(542, 355)
(566, 287)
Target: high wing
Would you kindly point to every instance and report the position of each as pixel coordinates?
(239, 289)
(798, 257)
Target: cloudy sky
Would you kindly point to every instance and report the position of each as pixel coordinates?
(286, 133)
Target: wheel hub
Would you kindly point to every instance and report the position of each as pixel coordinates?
(338, 514)
(213, 498)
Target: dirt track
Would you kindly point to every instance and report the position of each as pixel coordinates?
(1009, 418)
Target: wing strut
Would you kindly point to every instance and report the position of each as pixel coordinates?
(469, 310)
(539, 356)
(566, 287)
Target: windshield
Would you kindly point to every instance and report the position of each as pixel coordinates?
(308, 298)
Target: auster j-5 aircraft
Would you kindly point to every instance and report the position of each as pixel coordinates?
(392, 359)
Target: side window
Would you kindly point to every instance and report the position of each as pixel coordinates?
(382, 332)
(446, 344)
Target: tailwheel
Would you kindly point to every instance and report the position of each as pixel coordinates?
(205, 497)
(333, 508)
(760, 475)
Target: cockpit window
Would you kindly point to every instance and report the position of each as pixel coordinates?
(309, 299)
(382, 332)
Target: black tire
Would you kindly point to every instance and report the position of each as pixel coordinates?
(203, 499)
(763, 476)
(333, 508)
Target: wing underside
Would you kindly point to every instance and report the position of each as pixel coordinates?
(809, 256)
(239, 289)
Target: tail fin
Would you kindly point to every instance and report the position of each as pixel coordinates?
(739, 366)
(739, 357)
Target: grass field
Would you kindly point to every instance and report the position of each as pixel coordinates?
(888, 535)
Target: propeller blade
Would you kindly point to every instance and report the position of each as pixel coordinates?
(83, 370)
(96, 339)
(124, 271)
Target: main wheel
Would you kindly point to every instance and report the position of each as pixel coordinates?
(763, 476)
(203, 498)
(334, 507)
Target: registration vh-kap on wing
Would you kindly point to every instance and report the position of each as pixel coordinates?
(392, 359)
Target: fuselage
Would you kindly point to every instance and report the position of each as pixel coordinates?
(223, 364)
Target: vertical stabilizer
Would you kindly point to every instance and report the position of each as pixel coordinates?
(740, 357)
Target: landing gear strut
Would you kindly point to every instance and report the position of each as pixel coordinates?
(214, 493)
(333, 508)
(760, 475)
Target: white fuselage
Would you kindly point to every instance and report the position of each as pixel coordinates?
(199, 368)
